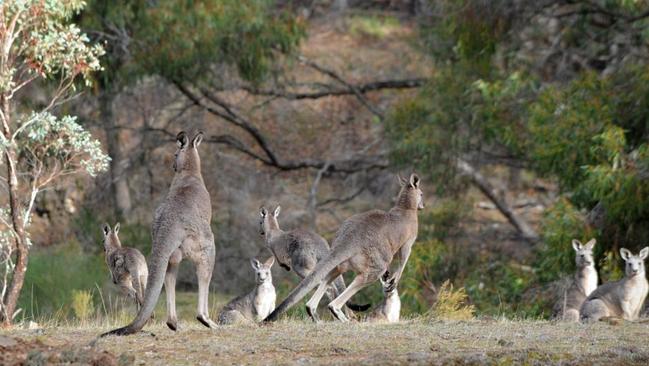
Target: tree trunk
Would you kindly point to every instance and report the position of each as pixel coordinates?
(118, 179)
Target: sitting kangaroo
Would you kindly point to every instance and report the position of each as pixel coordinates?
(623, 298)
(127, 265)
(390, 308)
(366, 244)
(181, 228)
(300, 250)
(257, 304)
(583, 284)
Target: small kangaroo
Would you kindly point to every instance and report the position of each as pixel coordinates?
(623, 298)
(257, 304)
(583, 284)
(300, 250)
(127, 265)
(181, 228)
(366, 244)
(390, 308)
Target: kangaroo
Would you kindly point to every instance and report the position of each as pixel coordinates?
(300, 250)
(623, 298)
(257, 304)
(583, 284)
(389, 309)
(181, 228)
(366, 244)
(127, 266)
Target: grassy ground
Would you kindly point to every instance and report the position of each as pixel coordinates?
(298, 342)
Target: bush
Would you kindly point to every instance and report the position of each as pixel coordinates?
(451, 304)
(82, 304)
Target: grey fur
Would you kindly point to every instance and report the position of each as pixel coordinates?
(127, 266)
(298, 250)
(620, 299)
(255, 305)
(583, 283)
(181, 228)
(366, 244)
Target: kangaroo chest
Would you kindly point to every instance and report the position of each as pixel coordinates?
(264, 302)
(633, 297)
(587, 280)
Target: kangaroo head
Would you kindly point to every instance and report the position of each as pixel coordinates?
(186, 157)
(268, 222)
(388, 283)
(111, 240)
(410, 196)
(583, 253)
(262, 271)
(634, 263)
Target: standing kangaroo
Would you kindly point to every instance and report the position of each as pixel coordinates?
(181, 228)
(583, 284)
(390, 308)
(127, 266)
(257, 304)
(623, 298)
(300, 250)
(366, 244)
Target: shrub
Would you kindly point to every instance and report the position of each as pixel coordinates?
(451, 304)
(82, 304)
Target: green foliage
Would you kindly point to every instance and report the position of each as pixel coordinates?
(451, 304)
(372, 26)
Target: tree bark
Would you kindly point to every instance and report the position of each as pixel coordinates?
(487, 189)
(118, 178)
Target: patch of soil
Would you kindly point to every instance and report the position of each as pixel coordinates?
(16, 351)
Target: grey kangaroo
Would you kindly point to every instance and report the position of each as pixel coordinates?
(127, 265)
(300, 250)
(390, 308)
(583, 284)
(257, 304)
(623, 298)
(366, 244)
(181, 228)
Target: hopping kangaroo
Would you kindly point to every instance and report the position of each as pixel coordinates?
(583, 284)
(623, 298)
(127, 266)
(300, 251)
(257, 304)
(366, 244)
(390, 308)
(181, 228)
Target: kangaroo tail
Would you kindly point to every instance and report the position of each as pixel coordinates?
(339, 287)
(158, 268)
(309, 283)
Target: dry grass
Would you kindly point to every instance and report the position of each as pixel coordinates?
(416, 341)
(451, 304)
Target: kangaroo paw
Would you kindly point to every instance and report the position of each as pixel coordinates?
(206, 321)
(120, 332)
(313, 314)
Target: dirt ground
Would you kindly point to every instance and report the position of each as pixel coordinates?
(499, 342)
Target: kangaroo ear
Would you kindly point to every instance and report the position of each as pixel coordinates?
(278, 209)
(269, 262)
(197, 139)
(414, 180)
(644, 252)
(116, 229)
(402, 180)
(577, 245)
(262, 211)
(106, 229)
(181, 139)
(625, 254)
(591, 244)
(255, 263)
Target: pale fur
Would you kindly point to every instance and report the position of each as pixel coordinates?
(299, 251)
(582, 285)
(620, 299)
(389, 309)
(181, 228)
(127, 266)
(366, 244)
(258, 303)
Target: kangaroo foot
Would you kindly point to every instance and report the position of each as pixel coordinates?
(313, 313)
(338, 314)
(121, 332)
(172, 324)
(206, 321)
